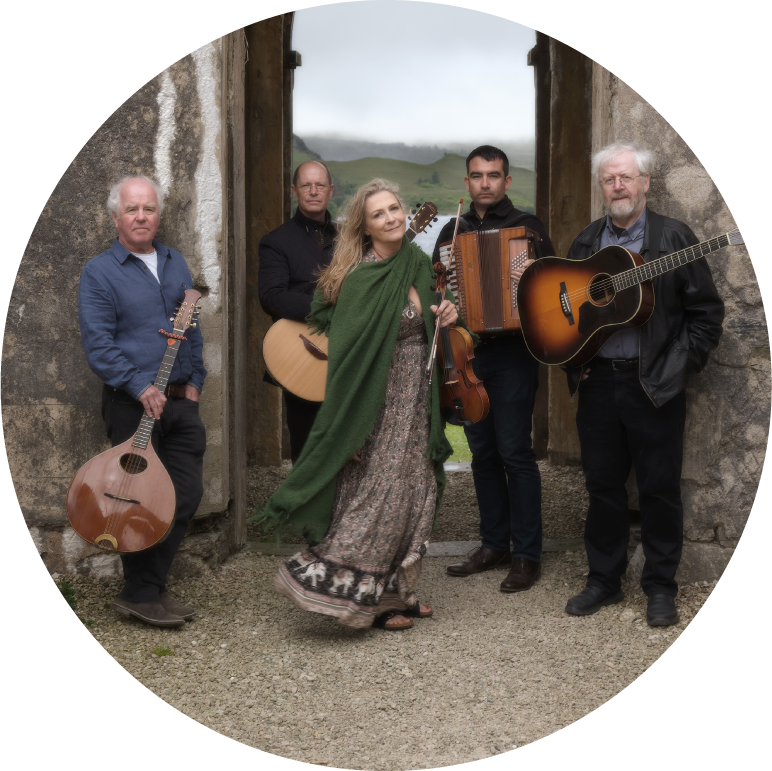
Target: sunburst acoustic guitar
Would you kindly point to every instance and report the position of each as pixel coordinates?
(569, 308)
(297, 360)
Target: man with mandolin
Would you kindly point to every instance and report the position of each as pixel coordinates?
(291, 259)
(126, 297)
(632, 405)
(506, 477)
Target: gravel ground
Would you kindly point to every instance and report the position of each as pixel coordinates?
(488, 672)
(564, 503)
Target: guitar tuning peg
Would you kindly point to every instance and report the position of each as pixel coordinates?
(193, 326)
(171, 318)
(418, 206)
(434, 220)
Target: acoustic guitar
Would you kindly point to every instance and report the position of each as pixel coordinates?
(570, 308)
(297, 360)
(123, 499)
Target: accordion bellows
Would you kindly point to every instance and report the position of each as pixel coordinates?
(479, 276)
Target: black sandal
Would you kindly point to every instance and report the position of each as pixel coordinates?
(415, 611)
(380, 621)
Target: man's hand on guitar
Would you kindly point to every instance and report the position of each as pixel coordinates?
(447, 313)
(516, 273)
(153, 401)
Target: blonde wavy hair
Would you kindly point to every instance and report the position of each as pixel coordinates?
(351, 244)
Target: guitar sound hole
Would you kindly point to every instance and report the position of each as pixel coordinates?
(601, 290)
(133, 464)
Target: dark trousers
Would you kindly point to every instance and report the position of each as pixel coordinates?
(506, 477)
(619, 426)
(179, 440)
(300, 417)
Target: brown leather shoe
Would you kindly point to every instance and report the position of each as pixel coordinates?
(523, 575)
(176, 608)
(480, 559)
(149, 612)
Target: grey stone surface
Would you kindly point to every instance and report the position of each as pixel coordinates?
(699, 562)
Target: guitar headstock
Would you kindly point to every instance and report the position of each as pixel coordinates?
(187, 313)
(423, 217)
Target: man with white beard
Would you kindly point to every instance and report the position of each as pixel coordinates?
(632, 404)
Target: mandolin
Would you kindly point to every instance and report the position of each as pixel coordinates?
(295, 359)
(570, 308)
(123, 499)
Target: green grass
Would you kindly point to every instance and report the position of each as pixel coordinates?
(68, 592)
(450, 169)
(457, 439)
(159, 651)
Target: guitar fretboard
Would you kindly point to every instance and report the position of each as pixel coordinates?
(670, 262)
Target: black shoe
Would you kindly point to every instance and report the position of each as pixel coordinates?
(661, 610)
(591, 599)
(480, 559)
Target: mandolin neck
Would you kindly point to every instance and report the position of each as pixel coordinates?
(145, 430)
(669, 262)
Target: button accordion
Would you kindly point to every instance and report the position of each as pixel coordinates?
(479, 276)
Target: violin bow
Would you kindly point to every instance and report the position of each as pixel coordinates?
(433, 353)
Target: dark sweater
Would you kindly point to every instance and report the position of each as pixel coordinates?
(501, 215)
(290, 262)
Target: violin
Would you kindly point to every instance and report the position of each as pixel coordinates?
(463, 398)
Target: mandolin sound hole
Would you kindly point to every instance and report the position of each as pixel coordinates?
(133, 464)
(601, 289)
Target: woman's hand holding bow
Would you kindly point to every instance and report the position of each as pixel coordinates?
(447, 313)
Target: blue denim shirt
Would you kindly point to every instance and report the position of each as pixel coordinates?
(121, 307)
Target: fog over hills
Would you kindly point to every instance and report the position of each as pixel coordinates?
(339, 148)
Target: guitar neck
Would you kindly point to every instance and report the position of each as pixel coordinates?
(670, 262)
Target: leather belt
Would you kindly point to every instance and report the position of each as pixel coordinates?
(618, 365)
(175, 391)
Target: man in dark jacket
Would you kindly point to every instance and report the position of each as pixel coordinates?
(632, 405)
(291, 258)
(506, 477)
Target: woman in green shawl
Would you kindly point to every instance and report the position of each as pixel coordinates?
(367, 485)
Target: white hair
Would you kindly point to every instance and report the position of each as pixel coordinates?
(114, 199)
(643, 157)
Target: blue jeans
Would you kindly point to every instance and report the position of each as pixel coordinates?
(506, 477)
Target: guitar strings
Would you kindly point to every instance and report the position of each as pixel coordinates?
(638, 274)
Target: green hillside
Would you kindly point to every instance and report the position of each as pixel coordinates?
(441, 182)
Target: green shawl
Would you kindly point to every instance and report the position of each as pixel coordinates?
(362, 329)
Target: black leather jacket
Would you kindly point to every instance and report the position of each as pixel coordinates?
(686, 323)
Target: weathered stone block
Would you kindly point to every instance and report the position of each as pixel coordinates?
(700, 562)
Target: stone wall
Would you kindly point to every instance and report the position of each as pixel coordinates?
(728, 403)
(171, 129)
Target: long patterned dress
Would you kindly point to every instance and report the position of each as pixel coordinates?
(370, 560)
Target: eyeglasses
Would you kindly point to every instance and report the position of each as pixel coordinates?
(306, 188)
(626, 180)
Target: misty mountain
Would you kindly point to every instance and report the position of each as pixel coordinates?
(341, 149)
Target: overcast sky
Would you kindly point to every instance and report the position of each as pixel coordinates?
(418, 73)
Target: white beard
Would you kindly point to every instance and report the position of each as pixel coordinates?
(622, 208)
